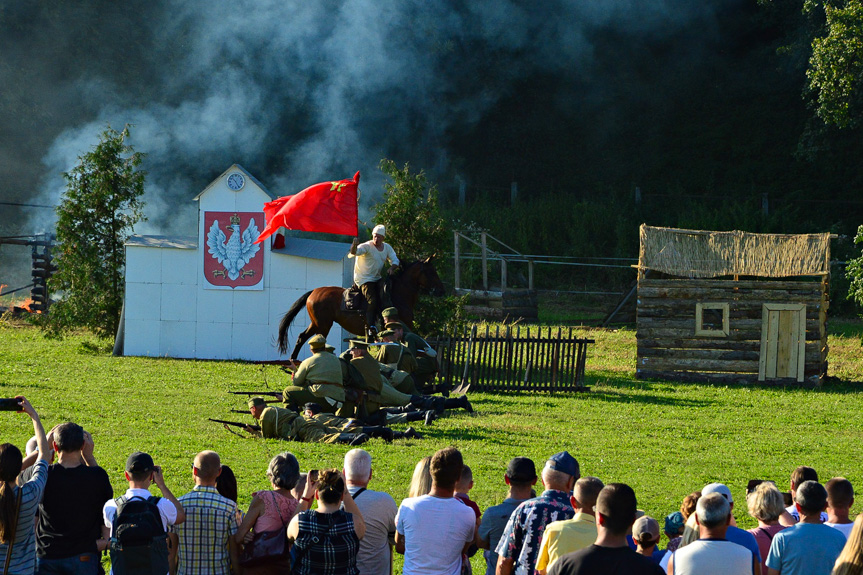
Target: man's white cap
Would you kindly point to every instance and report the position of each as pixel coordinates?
(379, 230)
(719, 488)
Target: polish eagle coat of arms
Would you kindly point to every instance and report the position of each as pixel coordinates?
(235, 252)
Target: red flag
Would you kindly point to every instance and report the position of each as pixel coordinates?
(328, 207)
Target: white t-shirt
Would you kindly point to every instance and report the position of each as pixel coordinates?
(370, 262)
(844, 528)
(435, 531)
(166, 509)
(713, 557)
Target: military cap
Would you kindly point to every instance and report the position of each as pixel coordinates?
(390, 314)
(317, 342)
(357, 344)
(386, 333)
(257, 402)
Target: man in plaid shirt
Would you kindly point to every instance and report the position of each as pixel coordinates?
(519, 545)
(204, 544)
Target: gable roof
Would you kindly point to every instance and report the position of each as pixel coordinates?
(235, 168)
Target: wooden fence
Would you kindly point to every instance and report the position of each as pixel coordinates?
(513, 359)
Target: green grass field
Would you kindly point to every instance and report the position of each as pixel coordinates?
(664, 439)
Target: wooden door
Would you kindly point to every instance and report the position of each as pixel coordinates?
(783, 341)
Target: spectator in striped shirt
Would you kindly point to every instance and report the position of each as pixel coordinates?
(204, 544)
(17, 527)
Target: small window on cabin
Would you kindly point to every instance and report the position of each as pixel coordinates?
(711, 319)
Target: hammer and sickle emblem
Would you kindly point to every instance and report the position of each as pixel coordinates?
(337, 186)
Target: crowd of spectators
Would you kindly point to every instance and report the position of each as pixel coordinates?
(58, 513)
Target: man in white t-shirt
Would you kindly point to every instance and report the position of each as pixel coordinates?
(379, 513)
(712, 553)
(371, 256)
(141, 472)
(433, 531)
(840, 498)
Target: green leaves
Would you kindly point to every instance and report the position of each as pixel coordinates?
(836, 67)
(98, 210)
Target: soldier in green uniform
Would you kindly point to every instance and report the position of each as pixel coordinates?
(278, 422)
(425, 356)
(313, 410)
(371, 370)
(319, 378)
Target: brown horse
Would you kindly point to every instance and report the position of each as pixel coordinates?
(324, 304)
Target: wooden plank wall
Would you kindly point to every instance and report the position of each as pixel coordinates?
(669, 349)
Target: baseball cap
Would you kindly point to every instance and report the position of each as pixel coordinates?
(719, 488)
(521, 470)
(644, 528)
(674, 523)
(563, 462)
(139, 462)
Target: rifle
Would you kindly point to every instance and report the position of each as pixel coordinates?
(262, 393)
(235, 423)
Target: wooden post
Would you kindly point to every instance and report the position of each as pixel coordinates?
(456, 258)
(484, 262)
(469, 354)
(530, 275)
(502, 274)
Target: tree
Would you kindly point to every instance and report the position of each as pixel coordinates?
(415, 229)
(836, 67)
(854, 272)
(97, 213)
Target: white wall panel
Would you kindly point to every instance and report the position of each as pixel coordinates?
(143, 265)
(143, 301)
(213, 340)
(180, 266)
(215, 305)
(250, 341)
(177, 338)
(179, 302)
(251, 307)
(288, 272)
(141, 337)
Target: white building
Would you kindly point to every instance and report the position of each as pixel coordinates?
(181, 301)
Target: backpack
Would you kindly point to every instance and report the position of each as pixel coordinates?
(138, 540)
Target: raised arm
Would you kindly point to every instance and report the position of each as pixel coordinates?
(351, 507)
(39, 431)
(159, 480)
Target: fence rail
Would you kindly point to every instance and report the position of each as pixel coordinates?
(513, 359)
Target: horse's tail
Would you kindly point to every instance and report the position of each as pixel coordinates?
(288, 318)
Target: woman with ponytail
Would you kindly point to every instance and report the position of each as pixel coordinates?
(327, 539)
(18, 504)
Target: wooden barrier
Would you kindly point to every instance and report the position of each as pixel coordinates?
(513, 359)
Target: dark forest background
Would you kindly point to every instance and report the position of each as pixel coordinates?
(701, 106)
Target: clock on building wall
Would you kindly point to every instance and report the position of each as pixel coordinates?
(236, 181)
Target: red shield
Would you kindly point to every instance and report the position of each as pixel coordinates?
(231, 258)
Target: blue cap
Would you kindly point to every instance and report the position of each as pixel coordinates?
(563, 462)
(674, 523)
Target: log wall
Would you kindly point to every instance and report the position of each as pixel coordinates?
(669, 349)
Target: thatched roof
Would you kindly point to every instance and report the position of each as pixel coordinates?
(704, 254)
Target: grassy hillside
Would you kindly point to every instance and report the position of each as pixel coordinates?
(664, 439)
